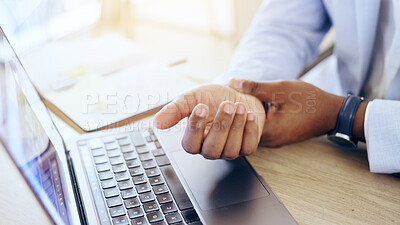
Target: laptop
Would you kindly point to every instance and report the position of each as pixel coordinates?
(137, 177)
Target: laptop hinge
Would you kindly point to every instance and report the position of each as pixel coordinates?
(77, 192)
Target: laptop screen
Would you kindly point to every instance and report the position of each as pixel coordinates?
(30, 137)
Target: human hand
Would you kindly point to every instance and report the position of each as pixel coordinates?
(297, 110)
(223, 123)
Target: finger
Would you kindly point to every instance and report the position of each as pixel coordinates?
(262, 90)
(234, 142)
(214, 142)
(194, 133)
(175, 111)
(250, 136)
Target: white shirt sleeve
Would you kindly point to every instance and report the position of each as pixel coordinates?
(382, 134)
(283, 37)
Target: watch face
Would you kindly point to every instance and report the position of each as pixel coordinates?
(341, 141)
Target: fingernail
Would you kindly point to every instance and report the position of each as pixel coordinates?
(251, 116)
(200, 112)
(237, 84)
(228, 108)
(240, 109)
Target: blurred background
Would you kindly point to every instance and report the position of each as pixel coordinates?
(204, 33)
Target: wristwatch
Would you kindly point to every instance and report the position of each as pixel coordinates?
(341, 135)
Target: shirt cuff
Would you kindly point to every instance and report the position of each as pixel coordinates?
(382, 135)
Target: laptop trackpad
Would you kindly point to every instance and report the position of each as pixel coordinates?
(219, 183)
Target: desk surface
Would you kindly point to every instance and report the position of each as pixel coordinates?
(317, 182)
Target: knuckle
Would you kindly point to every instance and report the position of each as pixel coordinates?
(248, 150)
(229, 155)
(253, 86)
(188, 148)
(210, 153)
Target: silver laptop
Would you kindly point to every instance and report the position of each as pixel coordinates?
(137, 177)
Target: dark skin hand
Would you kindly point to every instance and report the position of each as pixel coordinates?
(297, 111)
(226, 122)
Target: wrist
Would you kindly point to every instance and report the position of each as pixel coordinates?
(334, 110)
(358, 124)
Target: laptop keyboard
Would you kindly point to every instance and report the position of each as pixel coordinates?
(133, 182)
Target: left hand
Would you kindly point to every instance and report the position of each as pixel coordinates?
(297, 110)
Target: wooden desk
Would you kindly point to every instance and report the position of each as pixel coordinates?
(317, 182)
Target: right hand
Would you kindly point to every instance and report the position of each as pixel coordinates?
(223, 123)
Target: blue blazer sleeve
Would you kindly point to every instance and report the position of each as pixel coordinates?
(283, 37)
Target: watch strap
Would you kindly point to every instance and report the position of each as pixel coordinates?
(346, 116)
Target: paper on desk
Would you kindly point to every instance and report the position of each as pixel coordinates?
(95, 98)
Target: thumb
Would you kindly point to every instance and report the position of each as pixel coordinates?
(261, 90)
(175, 111)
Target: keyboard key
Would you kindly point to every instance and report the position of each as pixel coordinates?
(121, 136)
(160, 189)
(119, 168)
(108, 183)
(135, 212)
(148, 139)
(124, 142)
(141, 188)
(103, 167)
(123, 185)
(117, 211)
(114, 201)
(164, 198)
(176, 188)
(96, 143)
(149, 164)
(145, 156)
(139, 179)
(155, 216)
(130, 155)
(137, 139)
(111, 146)
(173, 218)
(127, 148)
(153, 137)
(168, 208)
(156, 180)
(146, 197)
(190, 216)
(139, 221)
(116, 160)
(122, 176)
(158, 152)
(162, 160)
(106, 175)
(136, 171)
(157, 144)
(108, 139)
(113, 153)
(150, 206)
(142, 149)
(129, 193)
(98, 152)
(111, 192)
(152, 172)
(132, 202)
(133, 163)
(163, 223)
(122, 220)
